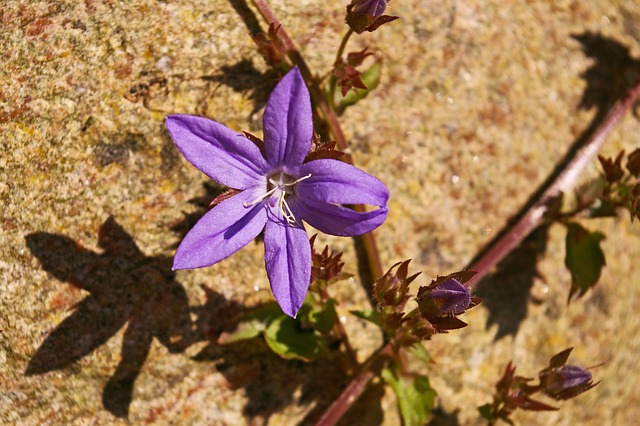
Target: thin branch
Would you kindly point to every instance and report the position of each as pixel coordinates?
(357, 386)
(535, 212)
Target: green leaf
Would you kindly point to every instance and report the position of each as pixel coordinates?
(370, 78)
(253, 324)
(415, 396)
(584, 258)
(419, 351)
(605, 208)
(485, 411)
(369, 315)
(325, 318)
(286, 337)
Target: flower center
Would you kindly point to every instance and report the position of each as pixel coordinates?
(280, 185)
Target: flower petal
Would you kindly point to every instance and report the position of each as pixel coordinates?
(221, 232)
(288, 122)
(336, 182)
(287, 256)
(337, 220)
(222, 154)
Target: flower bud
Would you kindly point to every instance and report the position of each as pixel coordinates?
(565, 382)
(373, 8)
(451, 296)
(367, 15)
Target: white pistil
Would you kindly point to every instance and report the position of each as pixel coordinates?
(286, 188)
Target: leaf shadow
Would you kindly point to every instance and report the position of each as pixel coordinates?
(506, 291)
(125, 288)
(270, 382)
(441, 417)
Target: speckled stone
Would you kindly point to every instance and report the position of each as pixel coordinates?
(479, 99)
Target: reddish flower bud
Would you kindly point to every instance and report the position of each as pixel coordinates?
(566, 382)
(612, 167)
(373, 8)
(633, 164)
(367, 15)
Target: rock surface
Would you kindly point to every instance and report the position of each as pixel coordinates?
(478, 101)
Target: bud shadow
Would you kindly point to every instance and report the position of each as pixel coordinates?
(243, 77)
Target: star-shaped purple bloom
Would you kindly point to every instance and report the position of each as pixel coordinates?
(279, 191)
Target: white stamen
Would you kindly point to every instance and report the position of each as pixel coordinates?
(260, 198)
(285, 188)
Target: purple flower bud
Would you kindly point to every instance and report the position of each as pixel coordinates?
(566, 382)
(373, 8)
(455, 297)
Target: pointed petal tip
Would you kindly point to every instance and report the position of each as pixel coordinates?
(171, 119)
(289, 310)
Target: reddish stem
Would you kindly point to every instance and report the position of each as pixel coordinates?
(357, 386)
(368, 240)
(565, 180)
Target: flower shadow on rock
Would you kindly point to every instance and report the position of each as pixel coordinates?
(126, 287)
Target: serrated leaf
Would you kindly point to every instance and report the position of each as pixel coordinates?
(286, 337)
(485, 412)
(369, 315)
(370, 78)
(325, 318)
(420, 352)
(604, 208)
(415, 396)
(584, 258)
(253, 324)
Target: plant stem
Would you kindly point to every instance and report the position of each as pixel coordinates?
(368, 240)
(333, 81)
(534, 213)
(343, 45)
(357, 386)
(341, 333)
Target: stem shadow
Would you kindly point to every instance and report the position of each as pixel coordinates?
(506, 291)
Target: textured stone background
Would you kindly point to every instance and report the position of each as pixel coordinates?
(479, 99)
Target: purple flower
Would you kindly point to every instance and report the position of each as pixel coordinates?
(373, 8)
(566, 382)
(455, 297)
(279, 191)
